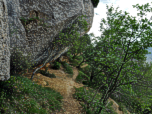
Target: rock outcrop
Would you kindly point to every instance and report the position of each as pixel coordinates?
(115, 106)
(31, 37)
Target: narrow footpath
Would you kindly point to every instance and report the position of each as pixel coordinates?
(65, 85)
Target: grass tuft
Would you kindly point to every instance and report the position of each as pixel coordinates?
(21, 95)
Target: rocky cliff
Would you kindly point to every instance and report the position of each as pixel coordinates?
(31, 37)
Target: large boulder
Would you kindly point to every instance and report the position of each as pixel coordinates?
(32, 38)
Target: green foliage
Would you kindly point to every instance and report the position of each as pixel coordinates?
(56, 65)
(84, 95)
(87, 54)
(68, 69)
(18, 63)
(7, 87)
(45, 73)
(18, 88)
(81, 77)
(73, 35)
(136, 105)
(141, 100)
(78, 58)
(81, 44)
(71, 60)
(122, 108)
(114, 55)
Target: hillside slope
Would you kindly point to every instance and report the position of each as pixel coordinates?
(65, 83)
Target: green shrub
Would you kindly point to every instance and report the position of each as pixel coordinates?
(134, 105)
(56, 65)
(147, 111)
(47, 73)
(7, 87)
(81, 77)
(18, 62)
(137, 105)
(73, 63)
(64, 64)
(79, 58)
(122, 108)
(86, 70)
(68, 69)
(71, 60)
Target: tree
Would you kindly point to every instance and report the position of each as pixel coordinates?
(118, 70)
(81, 44)
(142, 88)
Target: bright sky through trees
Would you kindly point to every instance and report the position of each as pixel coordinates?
(124, 5)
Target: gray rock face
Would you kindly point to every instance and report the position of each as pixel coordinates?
(33, 38)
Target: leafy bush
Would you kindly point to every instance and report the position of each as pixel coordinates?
(86, 70)
(147, 111)
(81, 77)
(68, 69)
(7, 87)
(47, 73)
(71, 60)
(56, 65)
(137, 106)
(122, 108)
(134, 104)
(74, 63)
(18, 63)
(83, 98)
(79, 58)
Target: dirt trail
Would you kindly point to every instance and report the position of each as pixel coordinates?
(64, 85)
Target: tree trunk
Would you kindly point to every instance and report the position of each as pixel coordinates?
(104, 103)
(91, 77)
